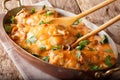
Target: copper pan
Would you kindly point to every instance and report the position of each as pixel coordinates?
(56, 71)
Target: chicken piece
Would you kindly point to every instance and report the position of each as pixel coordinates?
(56, 58)
(21, 15)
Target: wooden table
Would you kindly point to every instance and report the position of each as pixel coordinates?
(7, 68)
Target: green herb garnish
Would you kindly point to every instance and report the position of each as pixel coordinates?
(33, 10)
(32, 39)
(78, 55)
(48, 13)
(56, 47)
(8, 28)
(82, 44)
(36, 55)
(108, 61)
(45, 58)
(42, 48)
(12, 20)
(78, 35)
(94, 67)
(77, 22)
(108, 50)
(104, 39)
(42, 22)
(92, 49)
(44, 6)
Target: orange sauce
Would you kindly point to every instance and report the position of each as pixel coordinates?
(34, 33)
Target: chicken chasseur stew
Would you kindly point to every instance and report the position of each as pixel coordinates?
(32, 30)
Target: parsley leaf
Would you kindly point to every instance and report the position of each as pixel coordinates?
(32, 39)
(108, 50)
(12, 20)
(42, 48)
(104, 39)
(82, 44)
(77, 22)
(8, 28)
(42, 22)
(45, 58)
(78, 35)
(56, 47)
(33, 10)
(43, 7)
(108, 61)
(94, 67)
(92, 49)
(48, 13)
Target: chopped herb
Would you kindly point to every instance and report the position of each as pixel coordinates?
(45, 58)
(44, 6)
(32, 39)
(80, 47)
(36, 55)
(8, 28)
(77, 22)
(42, 22)
(108, 61)
(48, 13)
(8, 21)
(78, 55)
(104, 39)
(33, 10)
(42, 48)
(108, 50)
(92, 49)
(78, 35)
(94, 67)
(12, 20)
(85, 42)
(82, 44)
(56, 47)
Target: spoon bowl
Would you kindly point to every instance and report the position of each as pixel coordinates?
(68, 21)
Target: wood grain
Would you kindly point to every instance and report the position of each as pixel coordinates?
(7, 68)
(69, 5)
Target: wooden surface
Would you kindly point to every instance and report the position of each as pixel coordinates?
(8, 69)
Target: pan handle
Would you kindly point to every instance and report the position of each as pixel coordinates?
(107, 73)
(4, 6)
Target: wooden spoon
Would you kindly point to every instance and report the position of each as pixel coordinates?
(115, 19)
(68, 21)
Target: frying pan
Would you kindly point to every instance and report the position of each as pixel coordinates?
(56, 71)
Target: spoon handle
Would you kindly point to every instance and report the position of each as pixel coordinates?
(110, 22)
(106, 2)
